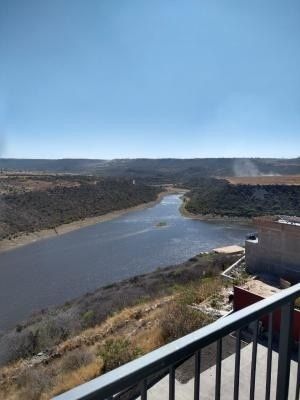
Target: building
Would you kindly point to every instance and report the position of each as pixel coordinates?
(255, 290)
(275, 249)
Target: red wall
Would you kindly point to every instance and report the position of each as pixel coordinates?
(243, 298)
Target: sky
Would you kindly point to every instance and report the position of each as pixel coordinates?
(156, 78)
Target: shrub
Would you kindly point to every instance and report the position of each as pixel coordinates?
(216, 301)
(69, 380)
(199, 291)
(57, 328)
(33, 382)
(297, 303)
(26, 341)
(88, 319)
(77, 359)
(116, 352)
(17, 345)
(178, 320)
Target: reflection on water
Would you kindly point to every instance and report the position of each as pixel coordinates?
(54, 270)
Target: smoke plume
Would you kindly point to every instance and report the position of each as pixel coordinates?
(245, 168)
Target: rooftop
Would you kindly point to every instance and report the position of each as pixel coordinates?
(234, 249)
(261, 288)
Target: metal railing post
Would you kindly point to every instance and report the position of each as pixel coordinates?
(197, 375)
(269, 357)
(237, 365)
(172, 383)
(144, 390)
(218, 370)
(285, 347)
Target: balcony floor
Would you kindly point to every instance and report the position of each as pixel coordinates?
(207, 381)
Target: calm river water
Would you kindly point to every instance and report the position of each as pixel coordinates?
(54, 270)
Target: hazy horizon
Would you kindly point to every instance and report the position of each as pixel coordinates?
(137, 79)
(146, 158)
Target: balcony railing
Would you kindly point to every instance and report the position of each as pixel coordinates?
(147, 370)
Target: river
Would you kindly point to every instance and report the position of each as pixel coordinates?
(52, 271)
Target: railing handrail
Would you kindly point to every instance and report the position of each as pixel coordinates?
(137, 370)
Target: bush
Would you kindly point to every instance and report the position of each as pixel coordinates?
(26, 341)
(71, 379)
(33, 382)
(116, 352)
(195, 293)
(56, 328)
(77, 359)
(297, 303)
(88, 319)
(178, 320)
(17, 345)
(215, 301)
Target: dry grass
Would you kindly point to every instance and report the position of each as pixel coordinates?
(149, 339)
(31, 384)
(178, 320)
(265, 180)
(139, 329)
(117, 351)
(45, 382)
(77, 358)
(74, 378)
(77, 351)
(197, 292)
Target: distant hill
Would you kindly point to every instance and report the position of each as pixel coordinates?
(37, 204)
(51, 166)
(217, 197)
(159, 170)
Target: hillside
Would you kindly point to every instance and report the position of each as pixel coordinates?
(220, 198)
(62, 347)
(159, 170)
(265, 180)
(30, 203)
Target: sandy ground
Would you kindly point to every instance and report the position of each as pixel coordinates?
(24, 239)
(266, 180)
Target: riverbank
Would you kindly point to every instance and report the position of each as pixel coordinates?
(215, 198)
(28, 238)
(130, 318)
(212, 217)
(50, 272)
(101, 330)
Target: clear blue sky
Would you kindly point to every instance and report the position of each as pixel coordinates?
(149, 78)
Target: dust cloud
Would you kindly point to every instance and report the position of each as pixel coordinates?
(245, 168)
